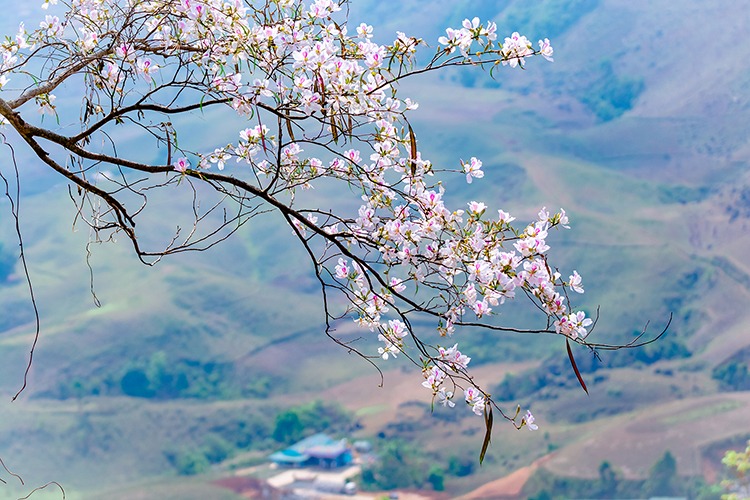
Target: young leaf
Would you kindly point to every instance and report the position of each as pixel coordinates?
(289, 129)
(413, 152)
(334, 130)
(488, 432)
(575, 367)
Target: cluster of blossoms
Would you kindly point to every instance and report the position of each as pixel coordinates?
(305, 85)
(476, 399)
(514, 50)
(9, 51)
(449, 361)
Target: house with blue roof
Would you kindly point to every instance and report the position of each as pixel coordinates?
(318, 450)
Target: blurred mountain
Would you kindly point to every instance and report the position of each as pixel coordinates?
(640, 129)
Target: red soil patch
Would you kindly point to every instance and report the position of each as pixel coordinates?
(508, 487)
(248, 487)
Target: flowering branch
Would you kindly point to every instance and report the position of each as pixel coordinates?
(317, 106)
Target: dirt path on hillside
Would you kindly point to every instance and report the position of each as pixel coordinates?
(508, 487)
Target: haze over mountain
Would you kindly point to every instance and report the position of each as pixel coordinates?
(640, 129)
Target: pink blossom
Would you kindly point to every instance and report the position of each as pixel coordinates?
(453, 358)
(490, 32)
(433, 378)
(445, 397)
(219, 157)
(364, 30)
(342, 269)
(574, 325)
(397, 285)
(181, 165)
(125, 51)
(504, 217)
(481, 308)
(472, 169)
(477, 208)
(545, 49)
(111, 75)
(52, 26)
(323, 8)
(575, 282)
(22, 37)
(529, 421)
(515, 48)
(146, 68)
(475, 399)
(228, 83)
(335, 94)
(45, 103)
(471, 25)
(456, 38)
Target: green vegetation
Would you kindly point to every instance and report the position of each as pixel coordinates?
(461, 466)
(610, 484)
(436, 478)
(609, 95)
(661, 481)
(402, 465)
(550, 18)
(683, 194)
(307, 419)
(235, 432)
(556, 372)
(192, 460)
(734, 373)
(158, 377)
(189, 462)
(740, 204)
(7, 263)
(738, 463)
(231, 436)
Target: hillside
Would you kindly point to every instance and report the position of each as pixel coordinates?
(645, 144)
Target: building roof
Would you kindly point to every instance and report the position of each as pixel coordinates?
(327, 451)
(319, 439)
(289, 456)
(320, 446)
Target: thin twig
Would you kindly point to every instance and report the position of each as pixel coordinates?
(15, 210)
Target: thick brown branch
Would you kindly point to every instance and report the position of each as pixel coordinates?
(27, 132)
